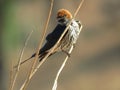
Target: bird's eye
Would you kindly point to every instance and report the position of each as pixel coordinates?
(65, 15)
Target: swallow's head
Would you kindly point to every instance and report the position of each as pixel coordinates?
(63, 16)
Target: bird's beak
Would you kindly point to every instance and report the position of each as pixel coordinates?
(62, 20)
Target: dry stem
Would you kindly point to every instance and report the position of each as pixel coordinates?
(40, 44)
(59, 71)
(19, 61)
(11, 75)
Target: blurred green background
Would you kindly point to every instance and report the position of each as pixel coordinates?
(95, 61)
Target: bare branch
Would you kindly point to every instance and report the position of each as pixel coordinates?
(39, 46)
(59, 71)
(11, 75)
(19, 61)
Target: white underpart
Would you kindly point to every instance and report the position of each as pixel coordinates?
(74, 31)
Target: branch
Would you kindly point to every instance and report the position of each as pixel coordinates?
(26, 82)
(59, 71)
(11, 75)
(19, 61)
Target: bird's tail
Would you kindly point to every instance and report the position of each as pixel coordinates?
(25, 60)
(41, 56)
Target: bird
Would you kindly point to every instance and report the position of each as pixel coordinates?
(70, 37)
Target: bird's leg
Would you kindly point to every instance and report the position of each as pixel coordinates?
(68, 54)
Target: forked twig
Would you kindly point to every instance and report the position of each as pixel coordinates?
(19, 61)
(40, 44)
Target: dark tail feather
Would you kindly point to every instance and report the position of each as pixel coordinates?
(25, 60)
(42, 56)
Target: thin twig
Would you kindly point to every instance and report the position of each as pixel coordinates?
(78, 9)
(59, 71)
(19, 61)
(40, 44)
(11, 75)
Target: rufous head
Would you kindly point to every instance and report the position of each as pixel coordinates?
(63, 16)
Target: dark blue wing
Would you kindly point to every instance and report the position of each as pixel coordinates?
(52, 38)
